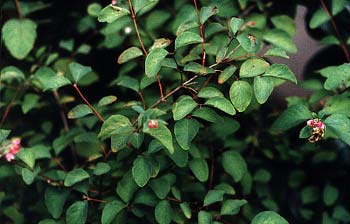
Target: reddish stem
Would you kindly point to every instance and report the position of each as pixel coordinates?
(341, 41)
(200, 30)
(133, 16)
(87, 102)
(87, 198)
(18, 8)
(142, 100)
(9, 106)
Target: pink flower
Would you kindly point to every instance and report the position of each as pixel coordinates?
(13, 149)
(9, 157)
(320, 125)
(310, 123)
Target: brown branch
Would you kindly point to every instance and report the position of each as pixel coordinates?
(337, 33)
(201, 31)
(18, 8)
(87, 102)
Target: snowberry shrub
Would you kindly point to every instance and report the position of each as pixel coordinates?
(177, 132)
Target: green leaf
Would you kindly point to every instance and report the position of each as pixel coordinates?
(330, 195)
(75, 176)
(222, 104)
(276, 52)
(106, 100)
(291, 117)
(115, 124)
(94, 9)
(280, 71)
(232, 207)
(10, 73)
(183, 107)
(262, 176)
(101, 168)
(79, 111)
(198, 69)
(235, 24)
(199, 168)
(111, 13)
(30, 101)
(269, 217)
(226, 74)
(207, 114)
(185, 130)
(234, 164)
(281, 39)
(163, 212)
(19, 36)
(209, 92)
(241, 94)
(205, 218)
(139, 5)
(160, 187)
(180, 156)
(141, 171)
(336, 76)
(77, 213)
(185, 208)
(285, 23)
(337, 104)
(54, 200)
(213, 196)
(28, 176)
(340, 124)
(253, 67)
(67, 44)
(55, 82)
(4, 134)
(207, 12)
(129, 54)
(249, 42)
(162, 134)
(154, 60)
(111, 210)
(78, 71)
(126, 187)
(27, 156)
(187, 38)
(263, 87)
(128, 82)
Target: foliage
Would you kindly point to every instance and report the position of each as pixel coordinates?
(178, 131)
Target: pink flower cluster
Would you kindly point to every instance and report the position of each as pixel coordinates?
(315, 123)
(13, 149)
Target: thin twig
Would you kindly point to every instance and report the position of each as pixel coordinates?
(173, 91)
(142, 100)
(18, 8)
(201, 31)
(212, 167)
(62, 114)
(87, 102)
(337, 33)
(87, 198)
(9, 106)
(133, 16)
